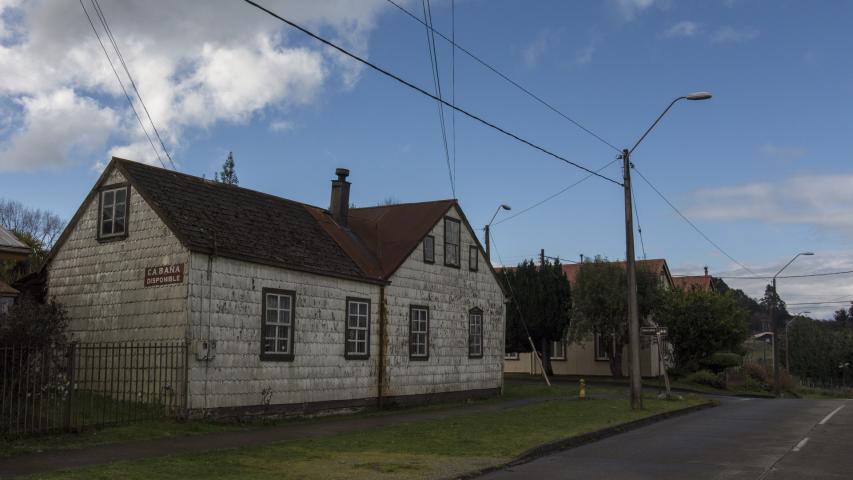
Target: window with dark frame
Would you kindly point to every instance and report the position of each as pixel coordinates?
(418, 333)
(452, 240)
(113, 215)
(475, 333)
(277, 324)
(429, 249)
(358, 328)
(473, 258)
(603, 345)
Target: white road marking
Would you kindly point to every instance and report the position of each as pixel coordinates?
(801, 444)
(826, 418)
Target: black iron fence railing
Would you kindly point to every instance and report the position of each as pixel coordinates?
(78, 385)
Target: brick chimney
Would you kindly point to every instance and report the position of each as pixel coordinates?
(706, 271)
(339, 204)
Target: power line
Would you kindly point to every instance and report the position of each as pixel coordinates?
(807, 275)
(103, 19)
(424, 92)
(683, 217)
(552, 196)
(121, 84)
(511, 81)
(436, 80)
(639, 227)
(819, 303)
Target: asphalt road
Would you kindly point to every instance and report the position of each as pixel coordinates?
(741, 439)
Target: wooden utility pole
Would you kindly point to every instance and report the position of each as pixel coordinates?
(633, 314)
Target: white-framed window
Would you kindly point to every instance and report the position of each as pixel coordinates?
(511, 356)
(113, 212)
(475, 333)
(6, 303)
(429, 249)
(452, 240)
(278, 324)
(418, 332)
(558, 350)
(603, 347)
(358, 328)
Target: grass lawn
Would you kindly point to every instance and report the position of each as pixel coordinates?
(162, 428)
(414, 450)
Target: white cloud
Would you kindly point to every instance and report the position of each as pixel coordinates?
(533, 52)
(815, 200)
(787, 153)
(731, 34)
(829, 288)
(683, 29)
(281, 125)
(195, 67)
(628, 9)
(57, 125)
(584, 55)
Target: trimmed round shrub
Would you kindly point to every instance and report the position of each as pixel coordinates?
(721, 361)
(707, 378)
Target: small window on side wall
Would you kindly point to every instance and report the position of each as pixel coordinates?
(277, 324)
(473, 258)
(558, 350)
(112, 219)
(357, 328)
(475, 333)
(418, 333)
(603, 346)
(429, 249)
(511, 356)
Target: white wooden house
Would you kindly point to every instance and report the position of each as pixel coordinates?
(287, 307)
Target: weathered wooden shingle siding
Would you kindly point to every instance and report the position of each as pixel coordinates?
(101, 284)
(229, 301)
(449, 293)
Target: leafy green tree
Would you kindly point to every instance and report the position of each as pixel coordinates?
(700, 324)
(11, 271)
(600, 304)
(228, 174)
(541, 299)
(780, 312)
(844, 317)
(34, 324)
(820, 351)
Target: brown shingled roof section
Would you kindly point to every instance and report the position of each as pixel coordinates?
(6, 290)
(656, 265)
(700, 282)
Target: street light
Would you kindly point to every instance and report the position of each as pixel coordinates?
(787, 343)
(633, 314)
(488, 225)
(776, 388)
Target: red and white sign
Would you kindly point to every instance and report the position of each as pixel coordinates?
(165, 275)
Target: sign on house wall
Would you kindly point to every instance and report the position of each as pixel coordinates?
(164, 275)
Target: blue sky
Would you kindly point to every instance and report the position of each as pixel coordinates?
(764, 168)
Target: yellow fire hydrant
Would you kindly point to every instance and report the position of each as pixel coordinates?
(582, 393)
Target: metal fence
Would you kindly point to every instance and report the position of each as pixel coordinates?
(79, 385)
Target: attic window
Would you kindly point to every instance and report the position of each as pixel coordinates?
(473, 258)
(113, 218)
(429, 249)
(451, 242)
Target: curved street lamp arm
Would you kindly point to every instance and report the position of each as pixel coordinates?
(495, 215)
(655, 123)
(786, 265)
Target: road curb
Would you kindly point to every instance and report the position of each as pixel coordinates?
(583, 439)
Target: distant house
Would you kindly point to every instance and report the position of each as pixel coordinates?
(10, 249)
(591, 358)
(285, 305)
(703, 283)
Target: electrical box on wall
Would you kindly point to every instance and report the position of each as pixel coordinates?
(205, 349)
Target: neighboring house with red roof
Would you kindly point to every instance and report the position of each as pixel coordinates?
(703, 283)
(590, 357)
(10, 249)
(288, 307)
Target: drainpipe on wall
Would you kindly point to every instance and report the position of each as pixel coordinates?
(380, 383)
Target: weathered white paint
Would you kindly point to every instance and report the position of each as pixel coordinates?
(102, 286)
(101, 283)
(449, 293)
